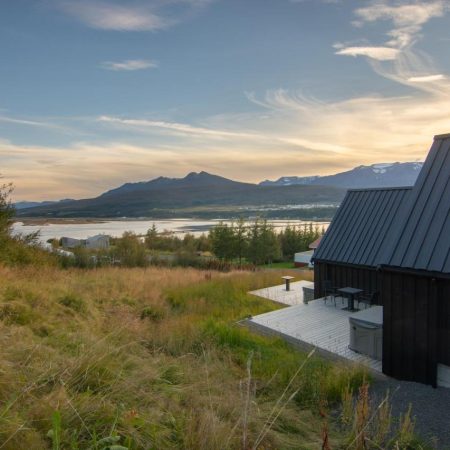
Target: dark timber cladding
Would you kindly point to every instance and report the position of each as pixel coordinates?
(397, 242)
(416, 276)
(350, 250)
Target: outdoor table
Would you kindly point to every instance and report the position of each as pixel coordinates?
(288, 279)
(350, 293)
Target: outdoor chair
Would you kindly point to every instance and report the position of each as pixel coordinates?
(329, 291)
(368, 298)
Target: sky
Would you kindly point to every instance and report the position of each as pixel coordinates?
(96, 93)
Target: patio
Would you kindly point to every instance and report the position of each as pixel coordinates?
(279, 294)
(316, 324)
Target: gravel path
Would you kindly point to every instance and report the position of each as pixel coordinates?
(430, 407)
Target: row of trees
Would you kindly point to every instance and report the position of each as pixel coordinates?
(258, 242)
(167, 242)
(240, 242)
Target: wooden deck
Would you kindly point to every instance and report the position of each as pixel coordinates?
(317, 324)
(279, 294)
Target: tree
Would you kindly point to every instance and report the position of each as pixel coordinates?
(290, 242)
(223, 241)
(131, 251)
(293, 240)
(241, 240)
(263, 245)
(7, 210)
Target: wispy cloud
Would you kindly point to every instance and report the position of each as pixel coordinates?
(140, 15)
(129, 65)
(427, 78)
(378, 53)
(407, 17)
(178, 128)
(110, 16)
(26, 122)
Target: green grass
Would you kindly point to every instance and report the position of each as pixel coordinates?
(153, 358)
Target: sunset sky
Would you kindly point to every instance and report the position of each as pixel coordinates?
(95, 93)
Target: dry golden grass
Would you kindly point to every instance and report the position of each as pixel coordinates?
(152, 358)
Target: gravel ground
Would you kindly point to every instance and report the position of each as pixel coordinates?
(430, 408)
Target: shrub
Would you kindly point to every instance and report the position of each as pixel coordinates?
(152, 313)
(73, 302)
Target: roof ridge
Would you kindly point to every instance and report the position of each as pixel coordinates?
(442, 136)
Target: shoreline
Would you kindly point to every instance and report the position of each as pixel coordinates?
(35, 222)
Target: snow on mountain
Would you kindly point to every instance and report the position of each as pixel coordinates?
(375, 175)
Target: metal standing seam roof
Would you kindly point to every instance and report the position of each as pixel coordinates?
(363, 222)
(422, 237)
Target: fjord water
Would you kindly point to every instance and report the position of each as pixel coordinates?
(116, 228)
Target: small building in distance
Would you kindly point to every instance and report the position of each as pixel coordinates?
(315, 243)
(97, 242)
(304, 259)
(396, 242)
(68, 242)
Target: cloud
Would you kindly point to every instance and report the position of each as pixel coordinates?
(174, 127)
(33, 123)
(140, 15)
(378, 53)
(109, 16)
(427, 78)
(403, 14)
(371, 127)
(407, 18)
(129, 65)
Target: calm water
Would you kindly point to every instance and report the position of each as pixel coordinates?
(116, 228)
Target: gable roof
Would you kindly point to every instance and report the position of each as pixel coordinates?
(422, 238)
(315, 243)
(361, 226)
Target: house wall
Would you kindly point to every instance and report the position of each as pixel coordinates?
(416, 316)
(416, 325)
(342, 275)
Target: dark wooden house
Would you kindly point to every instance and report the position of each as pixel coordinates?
(349, 254)
(397, 242)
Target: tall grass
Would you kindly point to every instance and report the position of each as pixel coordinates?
(152, 358)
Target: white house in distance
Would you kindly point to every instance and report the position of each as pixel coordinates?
(97, 242)
(303, 259)
(100, 241)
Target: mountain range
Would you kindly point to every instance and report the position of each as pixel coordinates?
(25, 204)
(376, 175)
(199, 193)
(195, 192)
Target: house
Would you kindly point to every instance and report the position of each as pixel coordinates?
(315, 243)
(396, 241)
(68, 242)
(100, 241)
(303, 259)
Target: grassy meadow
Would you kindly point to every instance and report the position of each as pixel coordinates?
(152, 358)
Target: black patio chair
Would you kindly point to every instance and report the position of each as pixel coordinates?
(368, 298)
(329, 291)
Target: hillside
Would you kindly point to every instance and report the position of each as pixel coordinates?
(151, 359)
(196, 190)
(376, 175)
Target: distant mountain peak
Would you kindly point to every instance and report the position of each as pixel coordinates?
(201, 174)
(374, 175)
